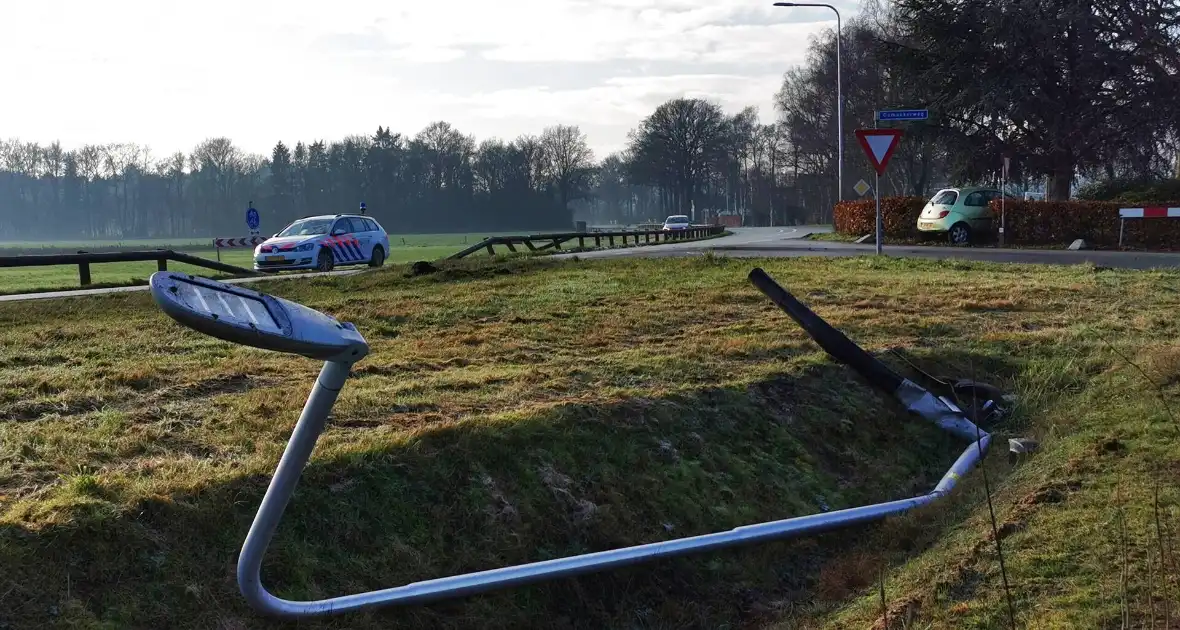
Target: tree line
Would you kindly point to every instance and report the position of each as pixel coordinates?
(1067, 90)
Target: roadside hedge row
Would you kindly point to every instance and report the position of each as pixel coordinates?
(1026, 222)
(899, 216)
(1096, 222)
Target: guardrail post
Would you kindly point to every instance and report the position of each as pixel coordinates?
(598, 241)
(611, 240)
(162, 264)
(84, 273)
(491, 251)
(581, 242)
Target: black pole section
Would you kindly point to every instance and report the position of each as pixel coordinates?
(831, 340)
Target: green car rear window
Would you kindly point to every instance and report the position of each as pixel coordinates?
(945, 198)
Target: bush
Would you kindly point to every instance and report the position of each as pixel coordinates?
(899, 216)
(1097, 222)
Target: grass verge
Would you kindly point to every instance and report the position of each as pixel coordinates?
(526, 409)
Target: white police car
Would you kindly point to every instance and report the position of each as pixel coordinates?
(322, 242)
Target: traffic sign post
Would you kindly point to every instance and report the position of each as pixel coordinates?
(252, 220)
(879, 145)
(1003, 176)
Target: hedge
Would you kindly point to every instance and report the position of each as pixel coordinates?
(899, 216)
(1096, 222)
(1026, 222)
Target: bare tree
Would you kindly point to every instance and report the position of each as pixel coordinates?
(569, 161)
(677, 148)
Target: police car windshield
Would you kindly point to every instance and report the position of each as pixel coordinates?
(307, 227)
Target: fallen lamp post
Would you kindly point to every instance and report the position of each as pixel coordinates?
(254, 319)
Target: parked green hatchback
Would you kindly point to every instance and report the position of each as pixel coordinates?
(960, 213)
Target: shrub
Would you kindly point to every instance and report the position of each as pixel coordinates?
(1097, 222)
(899, 216)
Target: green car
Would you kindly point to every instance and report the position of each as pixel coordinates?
(960, 213)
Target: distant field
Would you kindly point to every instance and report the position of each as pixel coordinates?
(403, 249)
(11, 248)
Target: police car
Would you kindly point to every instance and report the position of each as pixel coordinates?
(322, 243)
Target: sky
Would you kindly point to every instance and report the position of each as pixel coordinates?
(170, 74)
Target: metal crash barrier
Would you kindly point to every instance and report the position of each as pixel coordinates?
(250, 318)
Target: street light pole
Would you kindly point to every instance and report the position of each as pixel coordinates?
(839, 93)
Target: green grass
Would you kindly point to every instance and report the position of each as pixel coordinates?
(835, 237)
(525, 409)
(59, 277)
(403, 249)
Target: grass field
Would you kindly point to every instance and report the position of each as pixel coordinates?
(526, 409)
(403, 249)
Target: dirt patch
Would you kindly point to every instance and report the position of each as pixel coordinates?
(231, 384)
(421, 268)
(844, 576)
(1111, 446)
(394, 369)
(25, 411)
(900, 615)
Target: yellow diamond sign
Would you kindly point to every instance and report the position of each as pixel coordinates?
(861, 187)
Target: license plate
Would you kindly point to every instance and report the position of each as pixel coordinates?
(925, 224)
(275, 258)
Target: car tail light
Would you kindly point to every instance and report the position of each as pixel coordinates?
(943, 213)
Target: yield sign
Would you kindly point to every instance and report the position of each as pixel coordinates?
(879, 145)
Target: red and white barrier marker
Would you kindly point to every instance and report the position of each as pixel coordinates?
(1144, 213)
(1149, 213)
(239, 241)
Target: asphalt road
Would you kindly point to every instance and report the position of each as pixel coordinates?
(789, 243)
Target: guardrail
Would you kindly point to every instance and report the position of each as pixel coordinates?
(85, 259)
(542, 242)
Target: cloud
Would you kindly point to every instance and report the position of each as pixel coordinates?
(620, 100)
(170, 74)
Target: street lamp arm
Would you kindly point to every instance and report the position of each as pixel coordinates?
(806, 4)
(839, 92)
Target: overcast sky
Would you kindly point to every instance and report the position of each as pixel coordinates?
(170, 74)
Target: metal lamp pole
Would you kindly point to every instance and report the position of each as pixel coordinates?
(839, 92)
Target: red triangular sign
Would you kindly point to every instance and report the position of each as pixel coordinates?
(879, 145)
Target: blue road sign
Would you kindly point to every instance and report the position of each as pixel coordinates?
(362, 207)
(252, 218)
(904, 114)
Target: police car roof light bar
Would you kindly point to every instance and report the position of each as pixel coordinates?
(255, 319)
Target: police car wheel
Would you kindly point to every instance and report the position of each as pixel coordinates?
(324, 262)
(378, 258)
